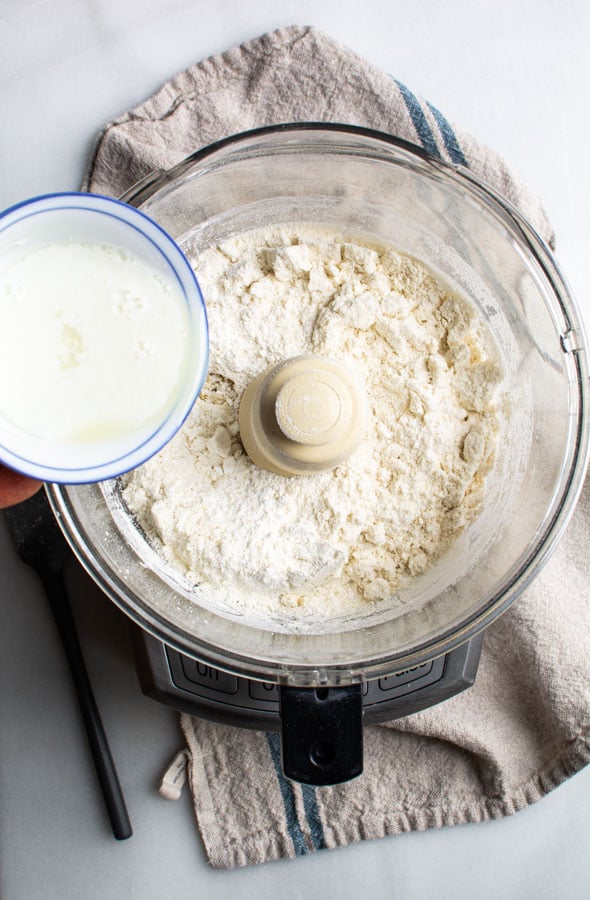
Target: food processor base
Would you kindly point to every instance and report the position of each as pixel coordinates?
(200, 689)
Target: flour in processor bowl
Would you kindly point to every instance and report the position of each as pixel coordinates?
(334, 543)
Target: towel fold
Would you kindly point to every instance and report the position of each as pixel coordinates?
(523, 728)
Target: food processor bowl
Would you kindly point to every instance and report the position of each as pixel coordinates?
(370, 185)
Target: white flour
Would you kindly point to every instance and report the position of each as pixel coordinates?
(326, 544)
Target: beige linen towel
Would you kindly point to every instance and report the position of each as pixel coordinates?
(523, 727)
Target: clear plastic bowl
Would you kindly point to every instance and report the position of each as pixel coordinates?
(370, 184)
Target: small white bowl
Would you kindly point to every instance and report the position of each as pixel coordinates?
(94, 221)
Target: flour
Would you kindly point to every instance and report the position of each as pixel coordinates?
(333, 543)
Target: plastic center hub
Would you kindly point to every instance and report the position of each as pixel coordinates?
(304, 415)
(314, 407)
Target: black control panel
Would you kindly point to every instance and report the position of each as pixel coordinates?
(199, 688)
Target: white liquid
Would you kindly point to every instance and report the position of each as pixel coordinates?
(93, 343)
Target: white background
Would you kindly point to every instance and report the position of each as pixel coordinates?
(513, 72)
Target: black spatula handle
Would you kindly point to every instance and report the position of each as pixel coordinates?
(99, 746)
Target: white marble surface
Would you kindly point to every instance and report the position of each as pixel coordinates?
(513, 73)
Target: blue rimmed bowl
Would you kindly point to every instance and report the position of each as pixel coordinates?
(89, 219)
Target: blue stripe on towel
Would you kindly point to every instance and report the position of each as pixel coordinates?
(449, 137)
(293, 826)
(419, 120)
(310, 804)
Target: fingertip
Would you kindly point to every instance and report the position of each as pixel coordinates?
(14, 487)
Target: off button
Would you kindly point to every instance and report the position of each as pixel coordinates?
(263, 690)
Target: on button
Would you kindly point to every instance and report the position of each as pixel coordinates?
(205, 675)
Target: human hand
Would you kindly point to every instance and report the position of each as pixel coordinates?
(15, 487)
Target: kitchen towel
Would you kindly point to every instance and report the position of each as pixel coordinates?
(523, 728)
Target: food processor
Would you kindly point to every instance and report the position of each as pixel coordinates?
(318, 682)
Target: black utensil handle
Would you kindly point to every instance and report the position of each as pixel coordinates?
(101, 753)
(322, 733)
